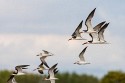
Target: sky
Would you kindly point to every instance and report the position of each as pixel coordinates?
(29, 26)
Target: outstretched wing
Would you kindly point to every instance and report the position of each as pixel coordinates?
(51, 71)
(43, 61)
(20, 67)
(77, 31)
(46, 52)
(81, 55)
(101, 36)
(98, 26)
(88, 20)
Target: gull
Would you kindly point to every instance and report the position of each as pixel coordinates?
(46, 53)
(101, 36)
(40, 68)
(77, 34)
(81, 56)
(88, 23)
(19, 69)
(43, 56)
(94, 36)
(11, 79)
(55, 71)
(51, 73)
(98, 37)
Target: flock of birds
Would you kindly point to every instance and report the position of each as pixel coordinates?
(97, 35)
(51, 70)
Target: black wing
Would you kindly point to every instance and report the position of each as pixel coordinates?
(98, 26)
(11, 77)
(101, 36)
(88, 20)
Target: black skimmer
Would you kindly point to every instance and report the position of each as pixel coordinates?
(55, 71)
(19, 69)
(98, 37)
(51, 73)
(77, 34)
(82, 59)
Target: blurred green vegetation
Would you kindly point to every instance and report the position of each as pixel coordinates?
(114, 77)
(110, 77)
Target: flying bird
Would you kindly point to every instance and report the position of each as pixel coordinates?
(82, 59)
(95, 36)
(43, 56)
(89, 24)
(77, 34)
(19, 69)
(40, 68)
(98, 37)
(45, 53)
(55, 71)
(51, 73)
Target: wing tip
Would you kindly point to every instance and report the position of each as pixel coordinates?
(94, 10)
(86, 47)
(104, 22)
